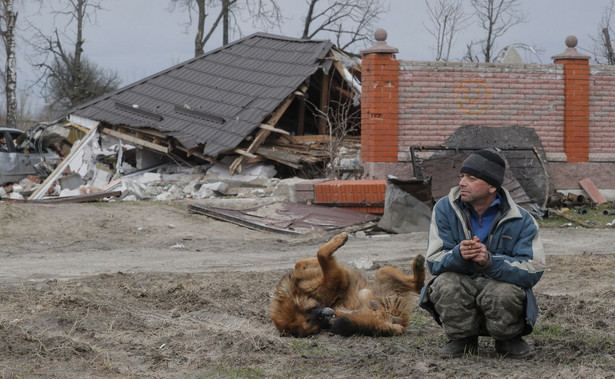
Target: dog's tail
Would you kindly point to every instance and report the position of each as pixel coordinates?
(418, 272)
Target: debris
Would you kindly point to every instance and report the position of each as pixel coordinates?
(362, 263)
(290, 218)
(592, 191)
(404, 213)
(571, 218)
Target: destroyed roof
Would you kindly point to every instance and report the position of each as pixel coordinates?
(216, 99)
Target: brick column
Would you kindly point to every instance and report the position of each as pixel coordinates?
(379, 101)
(576, 101)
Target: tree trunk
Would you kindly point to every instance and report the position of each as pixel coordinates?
(610, 56)
(225, 22)
(308, 20)
(11, 65)
(199, 43)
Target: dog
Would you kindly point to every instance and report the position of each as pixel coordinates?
(322, 294)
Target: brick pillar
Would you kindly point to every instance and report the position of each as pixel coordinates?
(576, 101)
(379, 101)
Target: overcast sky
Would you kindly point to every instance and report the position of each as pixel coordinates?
(138, 38)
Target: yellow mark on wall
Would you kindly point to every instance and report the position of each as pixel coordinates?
(473, 96)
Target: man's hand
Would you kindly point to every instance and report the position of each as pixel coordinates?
(474, 250)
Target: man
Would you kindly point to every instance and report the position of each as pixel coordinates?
(486, 254)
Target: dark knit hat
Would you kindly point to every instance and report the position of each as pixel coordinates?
(487, 165)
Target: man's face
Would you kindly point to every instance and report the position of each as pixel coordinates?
(473, 189)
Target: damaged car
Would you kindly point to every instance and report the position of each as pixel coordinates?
(21, 156)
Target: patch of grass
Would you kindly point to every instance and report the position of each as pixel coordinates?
(589, 340)
(226, 371)
(579, 215)
(549, 331)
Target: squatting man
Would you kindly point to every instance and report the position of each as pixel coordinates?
(485, 254)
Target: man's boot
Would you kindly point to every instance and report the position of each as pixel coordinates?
(514, 348)
(460, 347)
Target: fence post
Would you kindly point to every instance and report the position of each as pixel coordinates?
(379, 101)
(576, 101)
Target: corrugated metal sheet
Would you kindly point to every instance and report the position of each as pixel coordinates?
(218, 90)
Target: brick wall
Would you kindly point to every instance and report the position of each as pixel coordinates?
(601, 113)
(436, 98)
(568, 103)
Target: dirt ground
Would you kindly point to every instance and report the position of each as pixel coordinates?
(148, 289)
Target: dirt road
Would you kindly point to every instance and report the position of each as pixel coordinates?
(150, 290)
(68, 241)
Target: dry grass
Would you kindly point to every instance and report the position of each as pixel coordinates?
(216, 325)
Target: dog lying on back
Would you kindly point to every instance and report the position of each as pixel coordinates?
(323, 294)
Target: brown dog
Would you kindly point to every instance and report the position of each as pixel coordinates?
(324, 294)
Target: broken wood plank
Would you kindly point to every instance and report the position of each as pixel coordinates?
(289, 160)
(285, 134)
(244, 153)
(273, 129)
(196, 154)
(38, 193)
(570, 218)
(592, 191)
(136, 140)
(70, 199)
(262, 134)
(303, 151)
(315, 138)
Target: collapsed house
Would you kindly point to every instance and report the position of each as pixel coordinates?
(284, 102)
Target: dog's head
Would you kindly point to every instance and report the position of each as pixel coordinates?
(310, 322)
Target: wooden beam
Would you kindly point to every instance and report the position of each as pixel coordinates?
(39, 192)
(282, 157)
(315, 138)
(343, 91)
(273, 129)
(283, 132)
(147, 131)
(342, 70)
(78, 127)
(136, 141)
(193, 150)
(262, 134)
(196, 154)
(244, 153)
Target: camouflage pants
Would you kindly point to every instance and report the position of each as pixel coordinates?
(478, 306)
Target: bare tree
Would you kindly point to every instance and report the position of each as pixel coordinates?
(447, 18)
(262, 13)
(350, 22)
(68, 77)
(8, 21)
(603, 46)
(496, 17)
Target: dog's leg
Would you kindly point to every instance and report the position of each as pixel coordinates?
(334, 278)
(390, 280)
(327, 250)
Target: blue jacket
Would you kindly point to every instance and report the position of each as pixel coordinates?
(517, 254)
